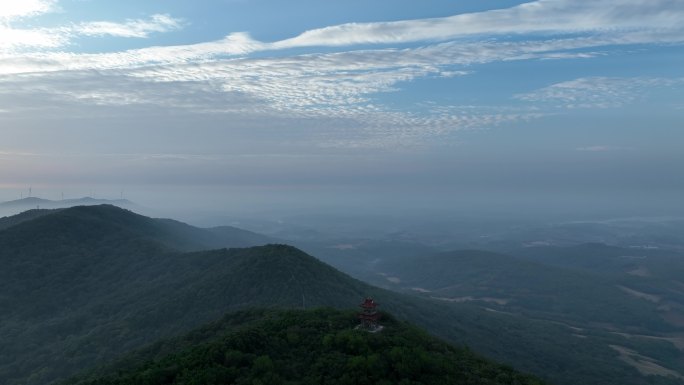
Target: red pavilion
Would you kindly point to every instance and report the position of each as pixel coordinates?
(369, 315)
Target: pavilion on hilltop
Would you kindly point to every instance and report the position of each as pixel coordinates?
(369, 315)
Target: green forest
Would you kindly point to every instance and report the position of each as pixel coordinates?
(318, 346)
(82, 287)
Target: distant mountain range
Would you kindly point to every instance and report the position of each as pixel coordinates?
(17, 206)
(82, 286)
(525, 286)
(172, 234)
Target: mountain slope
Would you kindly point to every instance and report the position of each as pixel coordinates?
(597, 257)
(24, 202)
(174, 234)
(27, 215)
(515, 284)
(303, 347)
(30, 203)
(85, 285)
(651, 275)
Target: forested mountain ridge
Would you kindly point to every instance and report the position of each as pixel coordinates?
(82, 286)
(30, 203)
(111, 220)
(318, 346)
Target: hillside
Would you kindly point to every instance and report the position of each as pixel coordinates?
(647, 275)
(600, 258)
(596, 290)
(303, 347)
(113, 220)
(30, 203)
(521, 285)
(27, 215)
(85, 285)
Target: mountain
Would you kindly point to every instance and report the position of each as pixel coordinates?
(84, 285)
(29, 203)
(27, 215)
(524, 286)
(303, 347)
(32, 202)
(600, 257)
(361, 257)
(594, 289)
(651, 275)
(111, 220)
(659, 232)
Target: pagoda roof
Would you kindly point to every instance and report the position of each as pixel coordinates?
(369, 303)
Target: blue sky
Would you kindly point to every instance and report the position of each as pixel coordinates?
(396, 102)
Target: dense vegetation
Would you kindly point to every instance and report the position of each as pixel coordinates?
(539, 290)
(601, 291)
(651, 276)
(83, 286)
(304, 347)
(6, 222)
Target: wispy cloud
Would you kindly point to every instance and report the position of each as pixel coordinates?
(139, 28)
(599, 23)
(338, 87)
(598, 92)
(24, 39)
(627, 22)
(624, 22)
(320, 77)
(542, 16)
(17, 153)
(341, 87)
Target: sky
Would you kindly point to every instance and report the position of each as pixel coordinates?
(255, 104)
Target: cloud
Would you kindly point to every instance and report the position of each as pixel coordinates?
(589, 25)
(598, 92)
(139, 28)
(17, 153)
(309, 85)
(197, 78)
(174, 158)
(340, 88)
(17, 9)
(624, 22)
(542, 16)
(14, 39)
(629, 22)
(332, 94)
(396, 129)
(335, 90)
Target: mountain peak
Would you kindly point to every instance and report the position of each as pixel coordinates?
(93, 225)
(25, 201)
(16, 206)
(296, 346)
